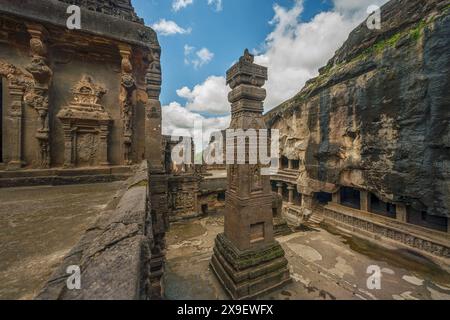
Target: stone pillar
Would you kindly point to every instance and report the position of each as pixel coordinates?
(291, 190)
(153, 119)
(290, 164)
(103, 145)
(280, 189)
(248, 243)
(15, 131)
(337, 197)
(365, 201)
(126, 101)
(68, 147)
(38, 98)
(402, 213)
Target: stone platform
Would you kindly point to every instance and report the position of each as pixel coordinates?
(249, 274)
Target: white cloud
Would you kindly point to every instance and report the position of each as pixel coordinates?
(295, 50)
(209, 97)
(179, 121)
(201, 57)
(177, 5)
(217, 3)
(167, 28)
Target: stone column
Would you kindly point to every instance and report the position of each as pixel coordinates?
(38, 97)
(248, 242)
(103, 145)
(291, 194)
(290, 164)
(280, 189)
(402, 213)
(307, 201)
(337, 197)
(15, 131)
(365, 201)
(153, 119)
(126, 101)
(68, 147)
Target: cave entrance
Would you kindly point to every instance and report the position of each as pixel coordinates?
(351, 198)
(423, 219)
(323, 198)
(380, 207)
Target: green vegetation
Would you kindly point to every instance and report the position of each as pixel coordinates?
(416, 32)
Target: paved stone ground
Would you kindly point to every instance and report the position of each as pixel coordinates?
(39, 226)
(324, 265)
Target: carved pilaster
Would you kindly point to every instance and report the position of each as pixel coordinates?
(15, 115)
(153, 119)
(126, 102)
(19, 84)
(38, 97)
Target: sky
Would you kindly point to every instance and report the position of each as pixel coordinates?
(202, 39)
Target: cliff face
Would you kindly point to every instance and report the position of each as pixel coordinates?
(377, 116)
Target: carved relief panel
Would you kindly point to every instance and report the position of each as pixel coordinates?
(86, 126)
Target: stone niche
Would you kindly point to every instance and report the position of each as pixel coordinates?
(86, 126)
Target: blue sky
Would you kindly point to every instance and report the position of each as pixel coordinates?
(201, 39)
(226, 33)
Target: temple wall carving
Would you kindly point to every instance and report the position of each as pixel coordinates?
(48, 62)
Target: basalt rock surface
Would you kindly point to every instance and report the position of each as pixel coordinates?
(377, 116)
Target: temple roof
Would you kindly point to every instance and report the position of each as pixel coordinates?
(114, 19)
(119, 8)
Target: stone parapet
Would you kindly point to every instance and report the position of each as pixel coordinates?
(426, 241)
(119, 256)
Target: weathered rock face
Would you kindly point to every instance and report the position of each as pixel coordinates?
(377, 116)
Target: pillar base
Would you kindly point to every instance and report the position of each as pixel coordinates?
(280, 227)
(15, 165)
(249, 274)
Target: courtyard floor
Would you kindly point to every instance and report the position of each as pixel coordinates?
(325, 265)
(39, 226)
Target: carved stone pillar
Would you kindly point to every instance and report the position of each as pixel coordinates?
(38, 97)
(247, 260)
(365, 201)
(280, 189)
(15, 116)
(126, 102)
(337, 197)
(153, 119)
(69, 160)
(402, 214)
(291, 194)
(290, 164)
(103, 145)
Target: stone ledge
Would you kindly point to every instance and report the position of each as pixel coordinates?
(115, 255)
(56, 177)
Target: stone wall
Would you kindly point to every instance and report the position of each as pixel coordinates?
(78, 98)
(122, 256)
